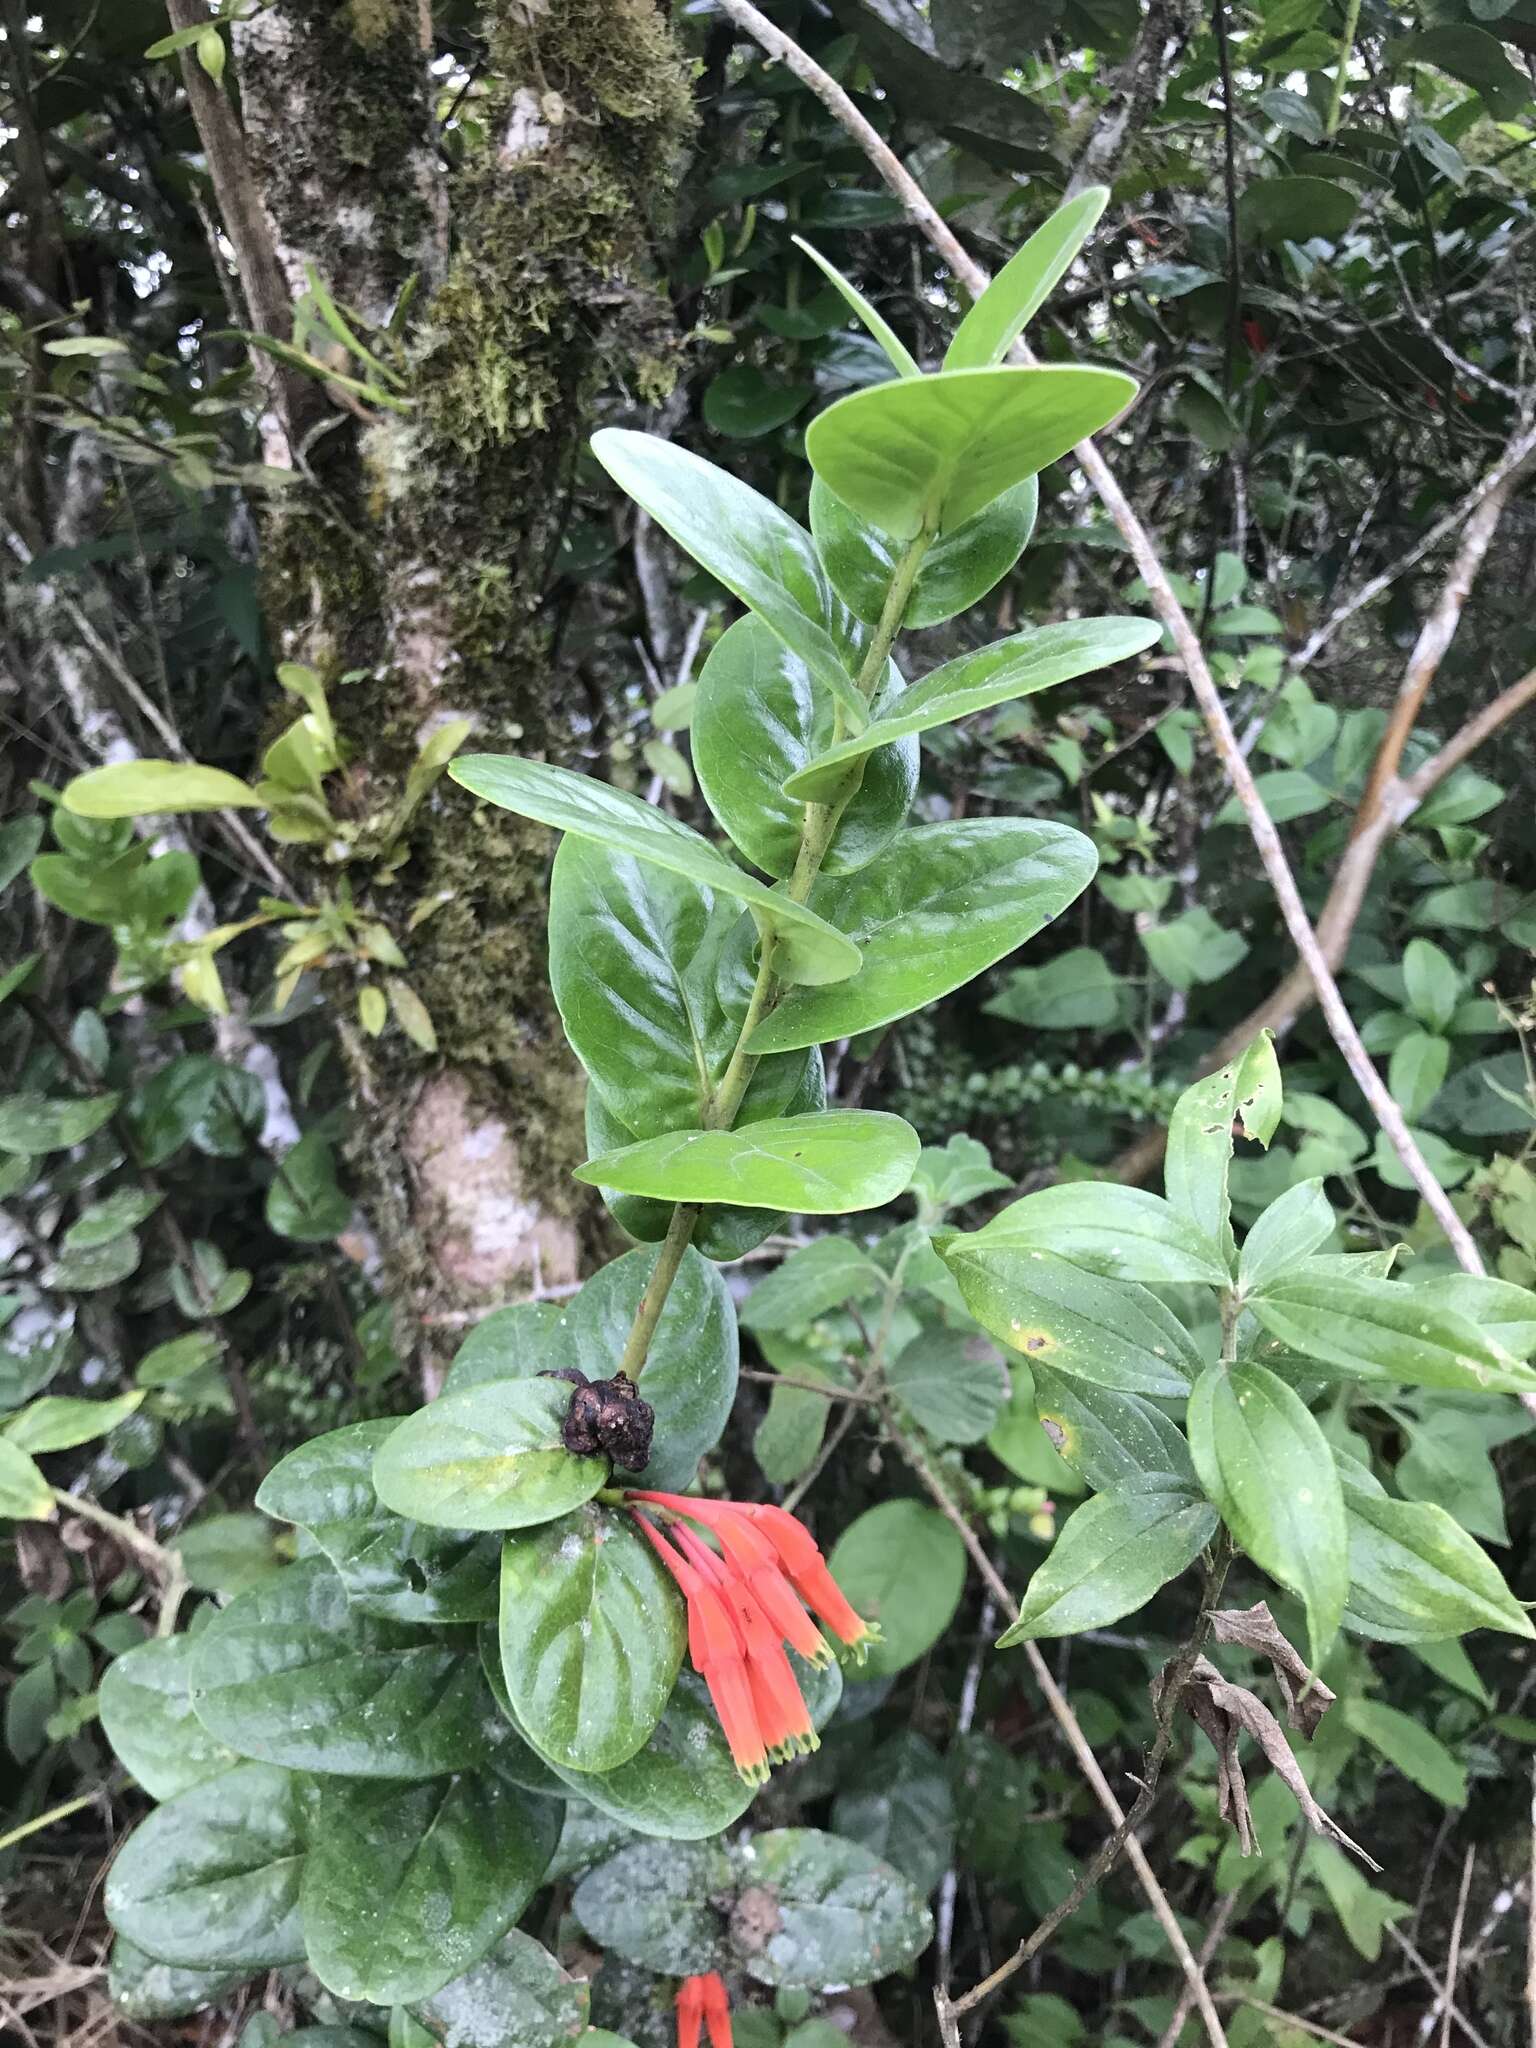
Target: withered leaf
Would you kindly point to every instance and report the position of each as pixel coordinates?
(1307, 1699)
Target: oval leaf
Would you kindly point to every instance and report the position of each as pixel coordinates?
(958, 570)
(137, 789)
(1121, 1233)
(826, 1165)
(148, 1717)
(1112, 1555)
(903, 1566)
(488, 1457)
(823, 1911)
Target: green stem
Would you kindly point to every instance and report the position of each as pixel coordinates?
(1346, 46)
(45, 1820)
(816, 835)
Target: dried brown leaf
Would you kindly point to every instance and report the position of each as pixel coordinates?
(1253, 1628)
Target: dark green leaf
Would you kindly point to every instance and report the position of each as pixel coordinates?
(815, 1278)
(952, 1383)
(408, 1886)
(896, 1803)
(143, 1989)
(653, 1904)
(487, 1457)
(34, 1123)
(517, 1997)
(742, 403)
(303, 1200)
(1113, 1333)
(147, 1716)
(1409, 1747)
(210, 1881)
(1295, 209)
(830, 1912)
(289, 1674)
(938, 907)
(1268, 1467)
(592, 1636)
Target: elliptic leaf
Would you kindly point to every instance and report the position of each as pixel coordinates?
(487, 1457)
(1291, 1229)
(516, 1997)
(933, 451)
(592, 1637)
(1024, 283)
(1415, 1575)
(654, 1904)
(1112, 1555)
(942, 904)
(827, 1912)
(812, 950)
(1119, 1232)
(903, 1566)
(137, 789)
(33, 1123)
(1382, 1330)
(1118, 1442)
(952, 1383)
(826, 1165)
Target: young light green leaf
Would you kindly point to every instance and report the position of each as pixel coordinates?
(936, 909)
(1289, 1230)
(139, 789)
(25, 1495)
(1246, 1091)
(1024, 283)
(1503, 1312)
(1112, 1555)
(1265, 1463)
(932, 452)
(811, 949)
(745, 541)
(1008, 669)
(817, 1277)
(957, 571)
(58, 1422)
(487, 1457)
(592, 1637)
(1382, 1330)
(825, 1165)
(879, 327)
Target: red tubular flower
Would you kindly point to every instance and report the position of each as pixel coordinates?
(703, 1998)
(808, 1573)
(717, 1652)
(782, 1715)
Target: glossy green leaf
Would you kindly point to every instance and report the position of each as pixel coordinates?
(210, 1880)
(958, 570)
(1381, 1330)
(516, 1997)
(1112, 1555)
(1117, 1441)
(1246, 1092)
(408, 1886)
(289, 1674)
(1267, 1466)
(830, 1912)
(58, 1422)
(142, 1989)
(952, 1383)
(690, 1372)
(488, 1457)
(1291, 1229)
(1409, 1747)
(388, 1566)
(148, 1717)
(941, 905)
(1024, 283)
(1118, 1232)
(810, 949)
(753, 684)
(879, 327)
(303, 1199)
(511, 1343)
(138, 789)
(653, 1904)
(935, 450)
(903, 1566)
(824, 1165)
(25, 1495)
(747, 543)
(592, 1637)
(1415, 1575)
(819, 1276)
(1008, 669)
(33, 1123)
(1111, 1332)
(652, 974)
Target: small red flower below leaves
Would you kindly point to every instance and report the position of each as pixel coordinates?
(703, 1999)
(743, 1610)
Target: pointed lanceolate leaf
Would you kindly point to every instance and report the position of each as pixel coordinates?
(747, 543)
(289, 1674)
(487, 1457)
(1415, 1575)
(826, 1165)
(753, 684)
(1245, 1091)
(810, 949)
(148, 1717)
(592, 1637)
(958, 570)
(1011, 668)
(1292, 1228)
(1122, 1233)
(1024, 283)
(933, 451)
(899, 354)
(1267, 1466)
(138, 789)
(408, 1886)
(1112, 1555)
(403, 1570)
(210, 1880)
(1111, 1333)
(652, 974)
(942, 904)
(1118, 1442)
(1381, 1330)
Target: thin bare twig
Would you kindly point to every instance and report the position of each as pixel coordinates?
(1214, 1936)
(921, 211)
(1453, 1956)
(1453, 2010)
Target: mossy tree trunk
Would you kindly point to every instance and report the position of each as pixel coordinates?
(412, 565)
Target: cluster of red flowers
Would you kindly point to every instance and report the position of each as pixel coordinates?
(703, 1998)
(742, 1611)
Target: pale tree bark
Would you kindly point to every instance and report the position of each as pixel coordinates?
(411, 563)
